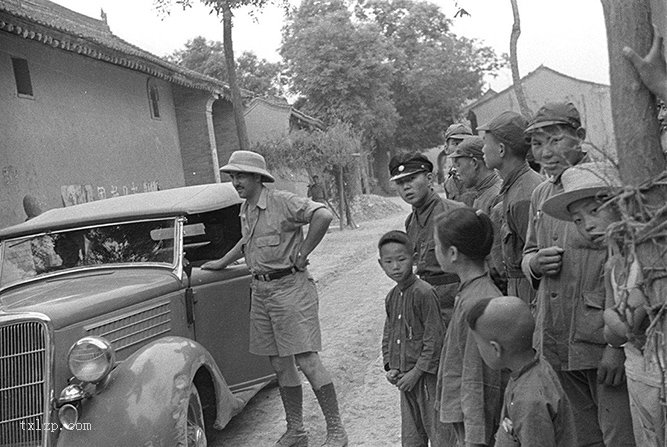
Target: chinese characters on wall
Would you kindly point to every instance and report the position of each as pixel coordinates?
(75, 194)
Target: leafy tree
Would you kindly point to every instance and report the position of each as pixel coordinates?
(260, 76)
(254, 74)
(202, 56)
(342, 68)
(436, 71)
(336, 149)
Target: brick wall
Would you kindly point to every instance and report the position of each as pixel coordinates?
(224, 127)
(193, 129)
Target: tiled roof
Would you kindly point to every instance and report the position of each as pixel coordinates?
(54, 25)
(281, 103)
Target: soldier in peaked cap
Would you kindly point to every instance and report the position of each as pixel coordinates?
(284, 322)
(505, 149)
(413, 176)
(567, 271)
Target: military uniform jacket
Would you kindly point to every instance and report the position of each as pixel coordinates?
(487, 192)
(569, 324)
(419, 227)
(516, 192)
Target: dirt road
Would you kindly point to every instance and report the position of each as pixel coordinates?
(352, 288)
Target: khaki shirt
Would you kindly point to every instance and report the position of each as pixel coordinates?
(272, 229)
(570, 305)
(413, 329)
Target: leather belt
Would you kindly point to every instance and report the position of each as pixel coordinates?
(441, 279)
(277, 274)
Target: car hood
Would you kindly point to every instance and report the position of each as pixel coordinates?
(83, 295)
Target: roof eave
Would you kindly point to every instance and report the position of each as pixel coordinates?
(61, 39)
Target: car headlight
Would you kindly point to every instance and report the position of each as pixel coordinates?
(91, 359)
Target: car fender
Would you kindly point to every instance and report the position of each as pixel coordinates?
(144, 401)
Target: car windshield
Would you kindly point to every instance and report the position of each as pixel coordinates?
(128, 243)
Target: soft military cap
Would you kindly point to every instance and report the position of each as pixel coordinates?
(403, 165)
(509, 128)
(555, 113)
(458, 131)
(470, 147)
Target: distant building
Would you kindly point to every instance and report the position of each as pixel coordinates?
(270, 119)
(546, 85)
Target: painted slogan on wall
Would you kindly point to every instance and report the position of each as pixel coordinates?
(75, 194)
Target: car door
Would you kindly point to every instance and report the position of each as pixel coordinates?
(222, 311)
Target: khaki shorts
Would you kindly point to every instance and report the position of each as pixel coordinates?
(284, 316)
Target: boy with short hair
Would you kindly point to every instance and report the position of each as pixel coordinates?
(536, 410)
(411, 342)
(585, 201)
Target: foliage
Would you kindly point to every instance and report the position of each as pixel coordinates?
(393, 69)
(342, 68)
(254, 74)
(202, 56)
(436, 71)
(311, 150)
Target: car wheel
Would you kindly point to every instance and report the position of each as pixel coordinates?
(196, 434)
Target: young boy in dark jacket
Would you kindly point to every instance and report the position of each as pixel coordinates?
(411, 343)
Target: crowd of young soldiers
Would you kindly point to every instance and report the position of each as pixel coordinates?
(567, 384)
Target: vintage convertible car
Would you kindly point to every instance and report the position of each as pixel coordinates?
(110, 333)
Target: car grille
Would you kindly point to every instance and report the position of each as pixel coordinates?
(130, 331)
(23, 371)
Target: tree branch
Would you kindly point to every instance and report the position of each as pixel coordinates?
(514, 63)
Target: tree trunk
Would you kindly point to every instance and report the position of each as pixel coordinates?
(514, 62)
(237, 100)
(353, 174)
(634, 111)
(659, 18)
(341, 197)
(348, 213)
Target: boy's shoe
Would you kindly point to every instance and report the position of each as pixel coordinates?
(293, 438)
(336, 439)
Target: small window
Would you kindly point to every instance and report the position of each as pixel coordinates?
(154, 99)
(22, 77)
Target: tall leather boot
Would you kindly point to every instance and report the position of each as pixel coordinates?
(336, 435)
(295, 436)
